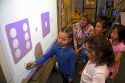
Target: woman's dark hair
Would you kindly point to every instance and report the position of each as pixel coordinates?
(121, 31)
(69, 32)
(103, 49)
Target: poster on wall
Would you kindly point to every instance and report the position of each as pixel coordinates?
(45, 20)
(123, 18)
(90, 3)
(19, 38)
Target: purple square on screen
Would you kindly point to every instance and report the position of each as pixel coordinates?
(45, 20)
(19, 39)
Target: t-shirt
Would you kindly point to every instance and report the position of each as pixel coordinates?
(94, 74)
(118, 48)
(115, 68)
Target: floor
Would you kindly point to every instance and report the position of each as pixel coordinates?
(56, 78)
(121, 76)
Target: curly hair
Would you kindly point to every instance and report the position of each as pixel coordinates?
(102, 48)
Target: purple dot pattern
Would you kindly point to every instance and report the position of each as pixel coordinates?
(19, 50)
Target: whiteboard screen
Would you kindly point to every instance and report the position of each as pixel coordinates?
(24, 24)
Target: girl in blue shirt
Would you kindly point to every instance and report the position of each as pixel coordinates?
(65, 55)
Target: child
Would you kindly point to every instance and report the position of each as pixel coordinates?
(100, 28)
(64, 53)
(117, 37)
(101, 56)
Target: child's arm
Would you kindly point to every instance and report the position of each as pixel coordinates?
(118, 56)
(32, 64)
(91, 33)
(79, 49)
(83, 46)
(45, 57)
(75, 45)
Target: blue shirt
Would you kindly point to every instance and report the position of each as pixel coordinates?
(65, 58)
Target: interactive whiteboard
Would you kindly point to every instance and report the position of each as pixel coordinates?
(24, 24)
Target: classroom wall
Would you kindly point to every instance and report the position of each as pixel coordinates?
(24, 23)
(79, 4)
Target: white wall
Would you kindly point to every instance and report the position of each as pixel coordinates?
(14, 11)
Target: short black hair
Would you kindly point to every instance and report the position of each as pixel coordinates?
(120, 31)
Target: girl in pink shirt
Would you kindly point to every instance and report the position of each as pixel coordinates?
(117, 37)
